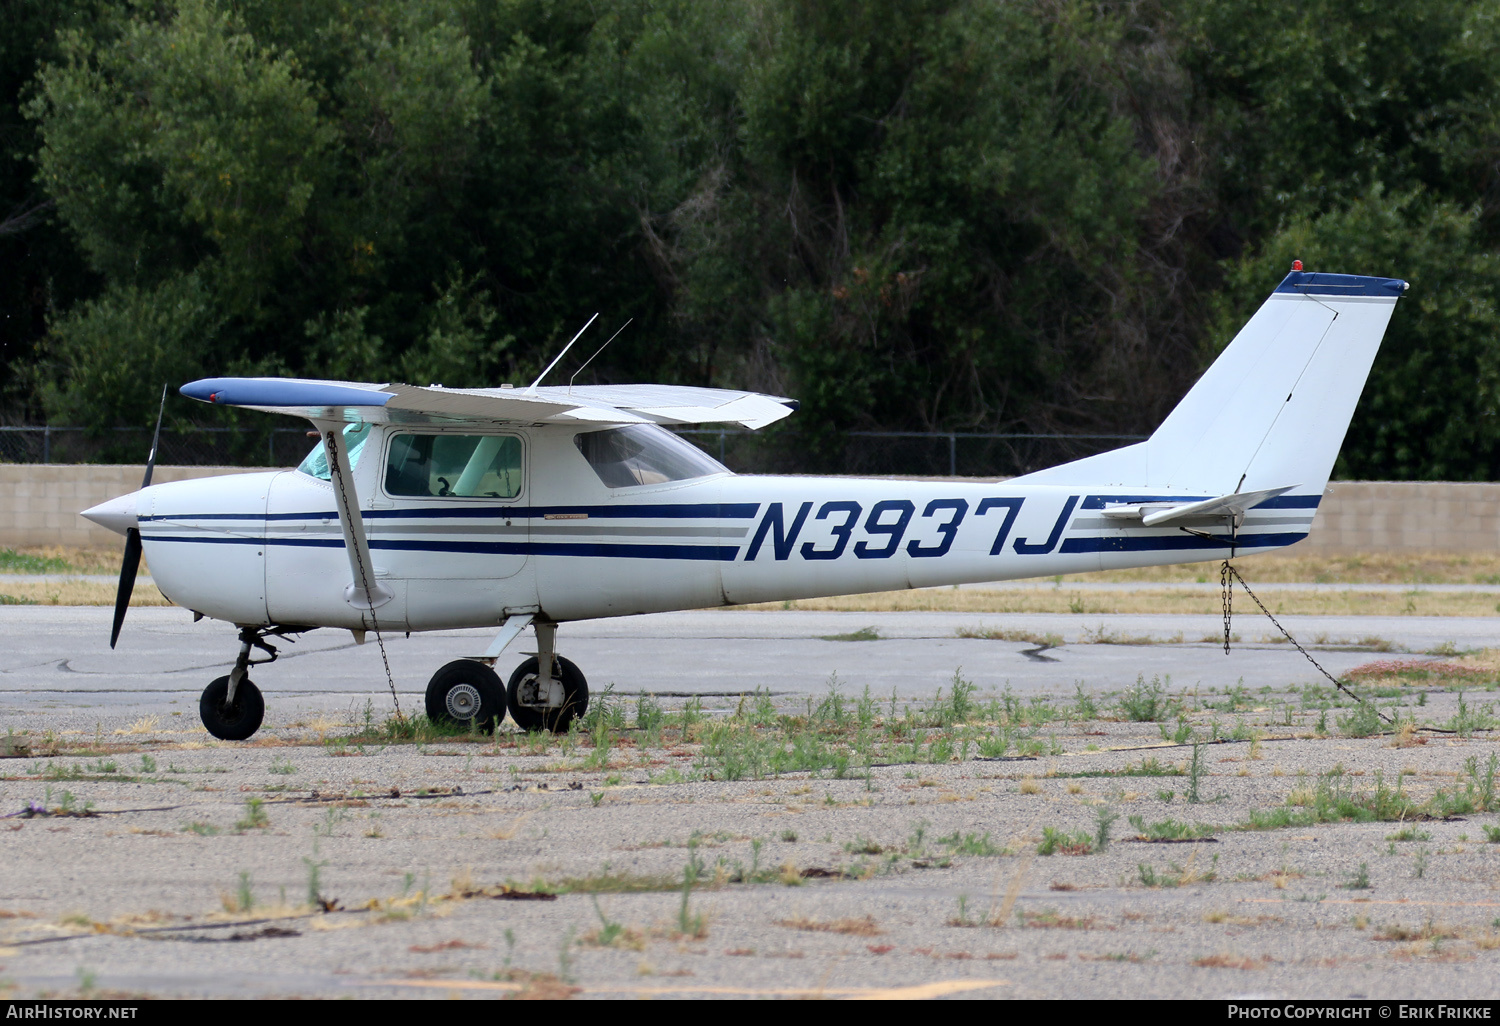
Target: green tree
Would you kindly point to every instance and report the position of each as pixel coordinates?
(1429, 409)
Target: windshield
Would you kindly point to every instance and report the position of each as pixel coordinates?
(643, 454)
(316, 463)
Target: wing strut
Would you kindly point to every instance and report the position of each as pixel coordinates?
(365, 592)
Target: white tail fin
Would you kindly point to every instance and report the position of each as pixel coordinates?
(1272, 410)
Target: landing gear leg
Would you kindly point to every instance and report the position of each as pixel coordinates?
(547, 691)
(232, 707)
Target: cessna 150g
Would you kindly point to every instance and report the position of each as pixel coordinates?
(438, 508)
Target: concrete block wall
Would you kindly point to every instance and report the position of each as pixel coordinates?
(1406, 516)
(39, 503)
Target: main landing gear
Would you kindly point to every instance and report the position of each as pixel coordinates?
(546, 692)
(466, 691)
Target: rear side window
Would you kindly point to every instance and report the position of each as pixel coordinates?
(460, 466)
(643, 454)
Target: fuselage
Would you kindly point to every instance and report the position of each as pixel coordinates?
(565, 536)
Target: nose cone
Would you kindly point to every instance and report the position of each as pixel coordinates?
(117, 514)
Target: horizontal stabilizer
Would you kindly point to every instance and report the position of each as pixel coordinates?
(1158, 514)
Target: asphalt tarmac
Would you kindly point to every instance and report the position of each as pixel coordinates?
(142, 859)
(57, 670)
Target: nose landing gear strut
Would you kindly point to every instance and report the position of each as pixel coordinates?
(232, 707)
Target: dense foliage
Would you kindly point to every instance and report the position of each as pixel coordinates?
(908, 214)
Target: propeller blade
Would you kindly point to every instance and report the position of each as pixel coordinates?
(150, 462)
(128, 566)
(131, 562)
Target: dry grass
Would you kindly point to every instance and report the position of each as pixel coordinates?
(1231, 962)
(864, 926)
(1406, 736)
(509, 831)
(1487, 661)
(1049, 919)
(1428, 931)
(1477, 669)
(1360, 568)
(77, 561)
(74, 593)
(1050, 599)
(541, 987)
(1223, 916)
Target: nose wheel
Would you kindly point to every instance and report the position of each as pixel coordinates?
(464, 692)
(231, 719)
(231, 707)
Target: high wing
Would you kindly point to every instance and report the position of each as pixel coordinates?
(414, 404)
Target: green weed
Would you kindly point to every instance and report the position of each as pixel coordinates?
(863, 634)
(1195, 775)
(1143, 702)
(255, 817)
(1104, 819)
(970, 844)
(1171, 829)
(1363, 721)
(1059, 842)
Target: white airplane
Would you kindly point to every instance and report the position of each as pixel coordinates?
(437, 508)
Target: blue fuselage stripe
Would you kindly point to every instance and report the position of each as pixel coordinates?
(662, 511)
(1279, 502)
(723, 553)
(1171, 543)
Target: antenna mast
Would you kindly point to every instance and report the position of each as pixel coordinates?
(532, 389)
(596, 353)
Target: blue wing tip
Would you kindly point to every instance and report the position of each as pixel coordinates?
(1318, 283)
(281, 392)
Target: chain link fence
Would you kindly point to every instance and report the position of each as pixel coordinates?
(778, 451)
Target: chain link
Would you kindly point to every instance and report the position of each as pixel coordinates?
(1227, 593)
(1226, 572)
(334, 467)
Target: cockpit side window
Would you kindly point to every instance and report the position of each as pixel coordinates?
(644, 454)
(316, 463)
(456, 466)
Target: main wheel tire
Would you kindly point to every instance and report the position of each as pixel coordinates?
(235, 722)
(464, 692)
(575, 696)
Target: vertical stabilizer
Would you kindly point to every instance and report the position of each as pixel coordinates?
(1273, 409)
